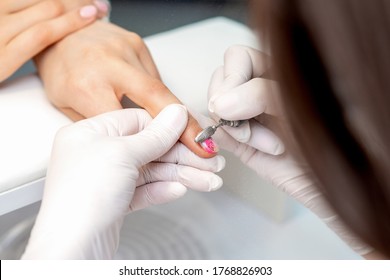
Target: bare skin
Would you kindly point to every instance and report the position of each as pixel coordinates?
(108, 63)
(30, 26)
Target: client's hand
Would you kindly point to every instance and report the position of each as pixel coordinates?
(107, 166)
(28, 27)
(89, 72)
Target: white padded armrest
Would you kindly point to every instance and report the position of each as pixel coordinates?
(28, 124)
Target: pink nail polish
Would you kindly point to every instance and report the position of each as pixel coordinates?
(88, 11)
(209, 146)
(102, 6)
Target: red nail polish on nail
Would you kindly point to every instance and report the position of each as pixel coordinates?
(209, 146)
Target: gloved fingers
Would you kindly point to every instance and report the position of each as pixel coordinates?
(219, 85)
(159, 136)
(241, 134)
(180, 154)
(156, 193)
(265, 165)
(150, 93)
(254, 158)
(193, 178)
(245, 62)
(246, 101)
(260, 137)
(241, 64)
(118, 123)
(224, 140)
(217, 88)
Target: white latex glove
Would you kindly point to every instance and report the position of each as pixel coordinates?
(101, 169)
(238, 92)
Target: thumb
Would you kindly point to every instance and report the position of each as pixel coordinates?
(159, 137)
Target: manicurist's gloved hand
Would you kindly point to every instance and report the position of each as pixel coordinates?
(238, 92)
(107, 166)
(88, 73)
(28, 27)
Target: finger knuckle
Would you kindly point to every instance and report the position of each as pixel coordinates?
(136, 41)
(145, 173)
(82, 85)
(54, 8)
(233, 49)
(43, 34)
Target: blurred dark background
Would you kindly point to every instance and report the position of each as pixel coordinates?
(148, 17)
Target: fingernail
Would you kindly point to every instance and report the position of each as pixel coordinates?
(228, 104)
(88, 11)
(102, 6)
(209, 146)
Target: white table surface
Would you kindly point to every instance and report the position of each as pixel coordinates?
(186, 58)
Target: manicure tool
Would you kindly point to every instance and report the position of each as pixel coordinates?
(210, 130)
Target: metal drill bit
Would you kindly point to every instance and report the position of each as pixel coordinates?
(206, 133)
(210, 130)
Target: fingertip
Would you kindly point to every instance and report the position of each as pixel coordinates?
(88, 12)
(155, 194)
(279, 149)
(216, 82)
(188, 139)
(176, 109)
(216, 183)
(265, 140)
(221, 163)
(175, 115)
(176, 190)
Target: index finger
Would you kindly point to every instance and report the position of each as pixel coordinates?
(247, 101)
(243, 63)
(151, 94)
